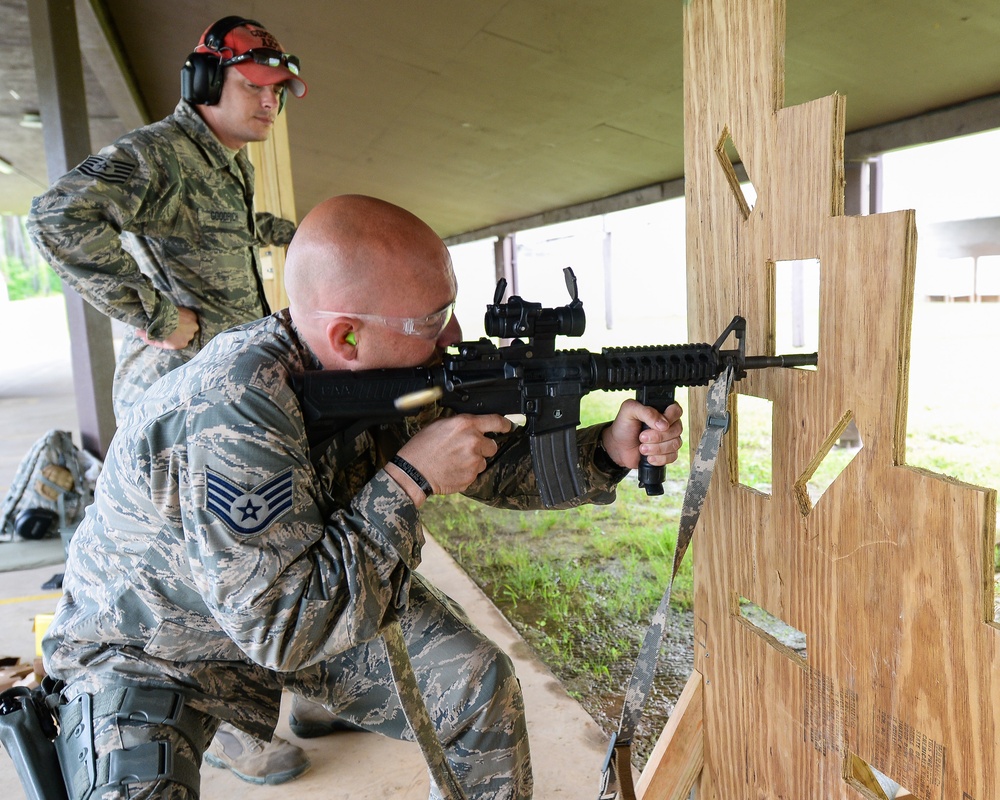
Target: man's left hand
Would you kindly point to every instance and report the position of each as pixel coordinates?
(625, 440)
(182, 335)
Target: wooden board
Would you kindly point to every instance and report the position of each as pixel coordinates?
(677, 758)
(274, 192)
(889, 573)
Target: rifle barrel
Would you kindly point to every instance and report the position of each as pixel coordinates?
(790, 360)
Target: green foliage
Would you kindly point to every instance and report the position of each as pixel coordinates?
(560, 575)
(22, 270)
(754, 452)
(24, 282)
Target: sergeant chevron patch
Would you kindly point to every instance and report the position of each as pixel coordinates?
(107, 169)
(248, 512)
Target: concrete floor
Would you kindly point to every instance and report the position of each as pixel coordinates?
(36, 394)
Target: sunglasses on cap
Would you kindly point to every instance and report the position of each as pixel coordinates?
(266, 57)
(429, 327)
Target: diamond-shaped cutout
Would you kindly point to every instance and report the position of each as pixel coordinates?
(736, 174)
(839, 450)
(871, 783)
(785, 638)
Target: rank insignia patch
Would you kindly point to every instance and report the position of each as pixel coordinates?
(107, 169)
(246, 513)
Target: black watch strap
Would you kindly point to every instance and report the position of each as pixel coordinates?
(413, 474)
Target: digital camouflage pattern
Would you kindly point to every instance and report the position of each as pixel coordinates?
(218, 558)
(158, 220)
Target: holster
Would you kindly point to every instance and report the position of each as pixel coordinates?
(27, 731)
(85, 774)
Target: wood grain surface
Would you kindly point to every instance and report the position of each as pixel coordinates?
(889, 573)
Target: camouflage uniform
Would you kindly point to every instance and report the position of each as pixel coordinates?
(221, 559)
(160, 219)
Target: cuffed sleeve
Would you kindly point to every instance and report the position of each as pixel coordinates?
(274, 230)
(77, 226)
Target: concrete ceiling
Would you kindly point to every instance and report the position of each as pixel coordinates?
(476, 112)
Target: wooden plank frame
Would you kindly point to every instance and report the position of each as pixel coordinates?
(889, 574)
(676, 760)
(274, 192)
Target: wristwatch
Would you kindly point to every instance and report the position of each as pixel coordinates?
(413, 474)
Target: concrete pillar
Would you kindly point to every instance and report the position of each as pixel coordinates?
(65, 127)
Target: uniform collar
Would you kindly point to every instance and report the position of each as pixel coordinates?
(310, 360)
(194, 126)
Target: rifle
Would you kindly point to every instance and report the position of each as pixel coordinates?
(528, 377)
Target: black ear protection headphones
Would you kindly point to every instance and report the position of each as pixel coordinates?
(202, 73)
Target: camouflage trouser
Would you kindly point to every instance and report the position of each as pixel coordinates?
(468, 683)
(140, 366)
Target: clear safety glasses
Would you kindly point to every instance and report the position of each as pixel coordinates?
(429, 327)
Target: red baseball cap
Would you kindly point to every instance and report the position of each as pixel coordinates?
(264, 61)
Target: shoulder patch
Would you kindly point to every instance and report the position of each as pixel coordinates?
(246, 513)
(107, 169)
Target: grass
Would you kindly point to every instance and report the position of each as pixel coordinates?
(580, 585)
(560, 573)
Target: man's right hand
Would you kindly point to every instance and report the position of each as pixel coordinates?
(451, 452)
(186, 330)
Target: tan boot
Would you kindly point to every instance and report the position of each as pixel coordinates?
(255, 760)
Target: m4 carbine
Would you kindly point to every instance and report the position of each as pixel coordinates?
(528, 377)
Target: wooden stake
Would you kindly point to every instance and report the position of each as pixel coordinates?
(676, 760)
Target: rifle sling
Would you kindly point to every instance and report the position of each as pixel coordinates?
(415, 710)
(616, 779)
(554, 449)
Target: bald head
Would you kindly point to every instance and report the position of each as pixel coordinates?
(356, 249)
(360, 254)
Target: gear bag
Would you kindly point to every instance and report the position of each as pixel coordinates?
(53, 485)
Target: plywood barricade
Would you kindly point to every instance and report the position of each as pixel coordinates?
(889, 573)
(273, 192)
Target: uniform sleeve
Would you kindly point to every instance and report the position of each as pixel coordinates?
(509, 478)
(274, 230)
(77, 226)
(291, 578)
